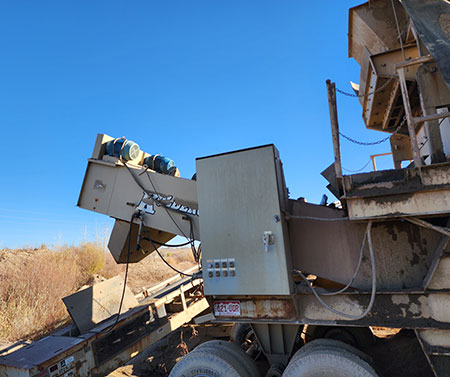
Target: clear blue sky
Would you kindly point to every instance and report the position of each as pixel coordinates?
(181, 78)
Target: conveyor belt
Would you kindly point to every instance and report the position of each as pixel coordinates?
(100, 351)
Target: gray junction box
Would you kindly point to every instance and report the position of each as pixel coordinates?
(241, 198)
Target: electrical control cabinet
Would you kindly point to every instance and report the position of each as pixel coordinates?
(241, 197)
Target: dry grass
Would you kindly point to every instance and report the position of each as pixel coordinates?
(33, 281)
(152, 269)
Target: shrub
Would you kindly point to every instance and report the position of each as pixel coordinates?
(90, 258)
(33, 282)
(31, 291)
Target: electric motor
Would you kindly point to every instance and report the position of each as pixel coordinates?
(160, 164)
(124, 148)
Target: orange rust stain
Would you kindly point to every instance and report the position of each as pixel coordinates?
(281, 309)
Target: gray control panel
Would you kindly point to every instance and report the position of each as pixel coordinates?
(243, 232)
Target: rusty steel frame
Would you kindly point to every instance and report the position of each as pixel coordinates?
(410, 119)
(392, 309)
(396, 310)
(373, 156)
(331, 89)
(399, 192)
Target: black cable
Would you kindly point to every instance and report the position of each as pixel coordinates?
(126, 269)
(167, 263)
(191, 230)
(135, 179)
(150, 194)
(167, 245)
(195, 253)
(124, 283)
(165, 207)
(199, 255)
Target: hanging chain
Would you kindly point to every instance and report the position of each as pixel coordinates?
(374, 142)
(362, 142)
(357, 171)
(365, 95)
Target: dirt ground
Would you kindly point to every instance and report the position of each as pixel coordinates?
(159, 359)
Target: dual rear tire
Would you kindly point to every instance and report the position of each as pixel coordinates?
(318, 358)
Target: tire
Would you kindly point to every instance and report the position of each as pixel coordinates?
(328, 362)
(226, 347)
(239, 333)
(242, 335)
(359, 337)
(324, 343)
(225, 354)
(204, 364)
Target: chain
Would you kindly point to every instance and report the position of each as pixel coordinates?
(362, 142)
(374, 142)
(365, 95)
(357, 171)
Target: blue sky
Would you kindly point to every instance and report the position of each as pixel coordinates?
(183, 78)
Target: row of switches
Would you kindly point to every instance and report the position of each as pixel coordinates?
(221, 267)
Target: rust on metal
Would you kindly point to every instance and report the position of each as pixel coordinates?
(264, 308)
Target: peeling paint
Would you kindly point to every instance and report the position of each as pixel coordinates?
(441, 277)
(439, 305)
(343, 304)
(440, 338)
(423, 301)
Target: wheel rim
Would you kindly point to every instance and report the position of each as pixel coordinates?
(251, 345)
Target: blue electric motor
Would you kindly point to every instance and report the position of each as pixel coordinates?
(160, 164)
(127, 149)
